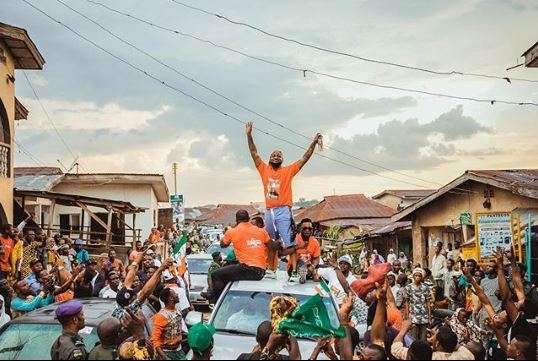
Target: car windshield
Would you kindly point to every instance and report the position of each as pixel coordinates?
(242, 311)
(33, 341)
(199, 266)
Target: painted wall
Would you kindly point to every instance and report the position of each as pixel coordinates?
(446, 210)
(140, 195)
(7, 94)
(389, 200)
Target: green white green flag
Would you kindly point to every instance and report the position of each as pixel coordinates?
(310, 320)
(180, 243)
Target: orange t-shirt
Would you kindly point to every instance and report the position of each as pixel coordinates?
(5, 258)
(250, 244)
(277, 184)
(307, 252)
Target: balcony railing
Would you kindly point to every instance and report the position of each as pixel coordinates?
(5, 161)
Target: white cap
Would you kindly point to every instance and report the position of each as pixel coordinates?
(167, 275)
(346, 258)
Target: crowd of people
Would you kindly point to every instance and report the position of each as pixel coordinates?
(456, 309)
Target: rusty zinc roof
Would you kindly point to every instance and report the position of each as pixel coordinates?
(224, 214)
(523, 182)
(350, 206)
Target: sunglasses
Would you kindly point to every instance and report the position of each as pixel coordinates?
(304, 228)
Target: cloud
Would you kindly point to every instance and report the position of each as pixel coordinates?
(453, 125)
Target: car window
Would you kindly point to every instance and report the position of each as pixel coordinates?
(199, 266)
(34, 341)
(243, 311)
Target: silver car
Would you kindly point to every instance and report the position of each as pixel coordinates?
(245, 304)
(198, 267)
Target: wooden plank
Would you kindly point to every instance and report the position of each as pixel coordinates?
(109, 227)
(92, 215)
(51, 217)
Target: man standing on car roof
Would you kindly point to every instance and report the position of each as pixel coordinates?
(70, 345)
(277, 187)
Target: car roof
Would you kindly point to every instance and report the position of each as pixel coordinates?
(280, 285)
(95, 311)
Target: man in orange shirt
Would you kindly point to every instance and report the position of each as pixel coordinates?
(307, 250)
(251, 246)
(277, 187)
(7, 243)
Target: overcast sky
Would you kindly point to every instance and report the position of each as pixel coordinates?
(118, 120)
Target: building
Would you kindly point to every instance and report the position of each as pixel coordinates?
(399, 199)
(353, 214)
(143, 191)
(224, 215)
(456, 211)
(17, 52)
(531, 56)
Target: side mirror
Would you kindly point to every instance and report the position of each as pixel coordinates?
(193, 318)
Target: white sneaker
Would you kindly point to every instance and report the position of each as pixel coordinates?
(270, 274)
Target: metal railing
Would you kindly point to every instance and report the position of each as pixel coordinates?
(5, 160)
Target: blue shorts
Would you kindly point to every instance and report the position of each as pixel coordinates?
(279, 224)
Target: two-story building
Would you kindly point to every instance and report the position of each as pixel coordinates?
(17, 52)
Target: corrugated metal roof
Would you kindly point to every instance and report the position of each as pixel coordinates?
(366, 224)
(513, 178)
(523, 182)
(37, 182)
(351, 206)
(224, 214)
(391, 227)
(406, 193)
(21, 171)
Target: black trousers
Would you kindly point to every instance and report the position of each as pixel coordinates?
(232, 273)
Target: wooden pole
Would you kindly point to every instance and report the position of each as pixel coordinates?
(109, 227)
(51, 217)
(81, 223)
(135, 239)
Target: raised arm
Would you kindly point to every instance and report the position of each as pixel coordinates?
(133, 270)
(503, 284)
(150, 286)
(310, 151)
(251, 146)
(380, 318)
(481, 294)
(519, 288)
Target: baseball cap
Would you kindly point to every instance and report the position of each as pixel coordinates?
(347, 259)
(200, 337)
(79, 242)
(167, 275)
(68, 309)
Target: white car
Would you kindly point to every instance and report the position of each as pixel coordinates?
(245, 304)
(198, 268)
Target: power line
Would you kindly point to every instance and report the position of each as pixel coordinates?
(37, 98)
(338, 52)
(29, 154)
(229, 99)
(165, 84)
(304, 71)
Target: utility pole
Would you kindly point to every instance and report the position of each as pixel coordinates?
(175, 169)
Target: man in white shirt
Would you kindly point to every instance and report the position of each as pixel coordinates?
(183, 306)
(339, 277)
(391, 256)
(438, 264)
(114, 285)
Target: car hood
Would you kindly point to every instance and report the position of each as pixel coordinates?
(229, 347)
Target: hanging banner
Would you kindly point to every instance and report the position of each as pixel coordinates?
(493, 230)
(178, 208)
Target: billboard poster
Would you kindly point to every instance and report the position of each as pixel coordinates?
(178, 208)
(493, 230)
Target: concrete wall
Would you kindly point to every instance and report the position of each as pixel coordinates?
(7, 95)
(389, 200)
(140, 195)
(429, 221)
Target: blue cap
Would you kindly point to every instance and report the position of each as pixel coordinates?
(68, 309)
(79, 242)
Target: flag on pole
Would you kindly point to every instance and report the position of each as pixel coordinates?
(310, 320)
(179, 253)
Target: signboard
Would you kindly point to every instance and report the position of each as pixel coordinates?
(493, 230)
(178, 208)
